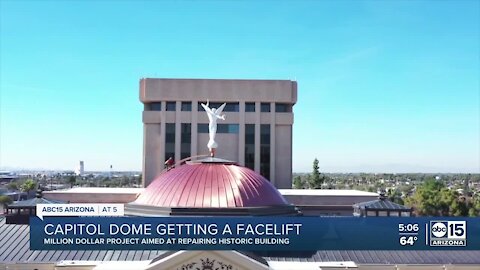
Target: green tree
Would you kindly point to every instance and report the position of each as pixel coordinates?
(5, 200)
(448, 203)
(432, 198)
(395, 196)
(316, 180)
(474, 210)
(426, 200)
(298, 183)
(460, 207)
(72, 180)
(28, 185)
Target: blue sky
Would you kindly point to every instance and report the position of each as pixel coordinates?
(382, 85)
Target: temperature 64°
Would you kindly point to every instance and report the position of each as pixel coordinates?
(408, 240)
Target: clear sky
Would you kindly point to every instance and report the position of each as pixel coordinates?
(382, 85)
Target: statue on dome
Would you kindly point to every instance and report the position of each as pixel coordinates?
(213, 115)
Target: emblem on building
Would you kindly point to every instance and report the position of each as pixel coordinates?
(206, 264)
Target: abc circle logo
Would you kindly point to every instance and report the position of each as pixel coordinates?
(439, 230)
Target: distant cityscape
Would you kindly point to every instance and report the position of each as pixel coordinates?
(403, 188)
(372, 182)
(55, 179)
(448, 194)
(404, 183)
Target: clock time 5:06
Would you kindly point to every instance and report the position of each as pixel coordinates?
(408, 227)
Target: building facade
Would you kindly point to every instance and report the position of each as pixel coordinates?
(257, 131)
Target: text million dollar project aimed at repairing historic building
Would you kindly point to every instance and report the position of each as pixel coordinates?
(256, 132)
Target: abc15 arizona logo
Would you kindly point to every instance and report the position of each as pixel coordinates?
(448, 233)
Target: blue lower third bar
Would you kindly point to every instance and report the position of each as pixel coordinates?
(254, 233)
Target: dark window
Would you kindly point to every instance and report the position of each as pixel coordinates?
(186, 139)
(154, 106)
(250, 107)
(171, 106)
(231, 128)
(265, 151)
(250, 146)
(202, 128)
(265, 134)
(229, 107)
(232, 107)
(265, 107)
(283, 107)
(169, 140)
(186, 106)
(250, 133)
(221, 128)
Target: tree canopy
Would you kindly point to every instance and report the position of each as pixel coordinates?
(72, 180)
(298, 182)
(316, 179)
(313, 180)
(433, 198)
(28, 185)
(5, 200)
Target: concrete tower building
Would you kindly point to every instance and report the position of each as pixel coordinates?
(257, 132)
(80, 170)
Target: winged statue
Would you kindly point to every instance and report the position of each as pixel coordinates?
(213, 115)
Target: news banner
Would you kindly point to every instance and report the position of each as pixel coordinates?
(104, 226)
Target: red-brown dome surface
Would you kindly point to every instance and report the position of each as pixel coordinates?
(204, 185)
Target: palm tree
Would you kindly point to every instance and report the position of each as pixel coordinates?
(28, 185)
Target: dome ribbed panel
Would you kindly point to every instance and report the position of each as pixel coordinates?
(210, 185)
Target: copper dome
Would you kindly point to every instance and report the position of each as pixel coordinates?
(210, 185)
